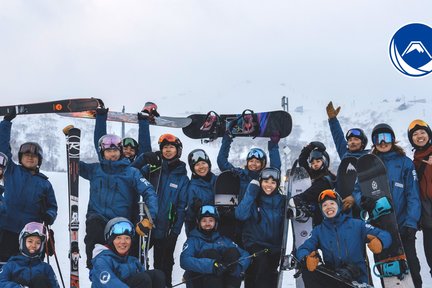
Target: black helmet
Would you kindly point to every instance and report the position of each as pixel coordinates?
(258, 154)
(166, 139)
(417, 125)
(270, 172)
(382, 129)
(208, 211)
(196, 156)
(357, 133)
(318, 154)
(3, 160)
(31, 147)
(330, 194)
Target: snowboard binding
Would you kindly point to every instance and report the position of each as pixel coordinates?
(398, 268)
(210, 127)
(245, 124)
(374, 209)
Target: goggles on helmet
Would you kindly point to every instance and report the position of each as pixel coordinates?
(268, 173)
(110, 142)
(385, 137)
(353, 133)
(3, 160)
(199, 155)
(208, 210)
(30, 148)
(167, 138)
(129, 142)
(121, 228)
(35, 228)
(417, 122)
(255, 153)
(327, 193)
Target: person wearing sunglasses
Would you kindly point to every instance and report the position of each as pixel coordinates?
(115, 188)
(168, 175)
(113, 266)
(314, 158)
(210, 259)
(29, 195)
(200, 190)
(351, 144)
(404, 189)
(262, 212)
(420, 137)
(27, 268)
(341, 240)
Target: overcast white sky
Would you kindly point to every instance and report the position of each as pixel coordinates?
(200, 55)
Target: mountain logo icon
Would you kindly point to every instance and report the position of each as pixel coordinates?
(409, 50)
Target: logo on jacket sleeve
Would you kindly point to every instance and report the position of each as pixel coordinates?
(104, 277)
(173, 185)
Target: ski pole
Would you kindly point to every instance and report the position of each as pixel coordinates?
(147, 247)
(254, 255)
(55, 255)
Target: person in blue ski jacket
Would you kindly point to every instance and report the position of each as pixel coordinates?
(404, 189)
(27, 269)
(200, 191)
(217, 259)
(314, 158)
(130, 147)
(262, 210)
(114, 189)
(168, 174)
(114, 267)
(28, 196)
(342, 240)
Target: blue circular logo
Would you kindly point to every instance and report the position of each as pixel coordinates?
(411, 48)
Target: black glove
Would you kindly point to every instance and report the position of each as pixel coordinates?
(151, 109)
(408, 232)
(47, 219)
(219, 268)
(196, 205)
(275, 137)
(230, 257)
(102, 110)
(318, 145)
(10, 115)
(367, 203)
(51, 243)
(153, 158)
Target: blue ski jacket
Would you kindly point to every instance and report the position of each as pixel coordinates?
(404, 188)
(28, 196)
(342, 240)
(198, 189)
(263, 215)
(198, 242)
(340, 141)
(245, 175)
(143, 134)
(171, 182)
(2, 204)
(115, 187)
(25, 268)
(112, 270)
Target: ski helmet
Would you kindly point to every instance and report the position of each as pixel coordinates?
(196, 156)
(32, 229)
(268, 173)
(33, 148)
(258, 154)
(208, 211)
(417, 125)
(322, 155)
(3, 161)
(110, 141)
(116, 227)
(166, 139)
(383, 132)
(357, 133)
(329, 194)
(130, 142)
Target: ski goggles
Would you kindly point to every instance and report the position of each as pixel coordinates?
(385, 137)
(255, 153)
(199, 155)
(419, 123)
(122, 228)
(32, 148)
(329, 194)
(355, 132)
(110, 142)
(167, 138)
(35, 228)
(129, 142)
(209, 211)
(3, 160)
(268, 173)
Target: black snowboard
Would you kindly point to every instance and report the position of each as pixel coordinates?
(227, 189)
(68, 105)
(372, 176)
(212, 125)
(346, 176)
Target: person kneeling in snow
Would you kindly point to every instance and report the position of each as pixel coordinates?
(212, 260)
(27, 269)
(341, 240)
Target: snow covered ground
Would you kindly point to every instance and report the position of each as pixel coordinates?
(59, 181)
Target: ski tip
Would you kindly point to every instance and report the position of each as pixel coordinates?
(67, 128)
